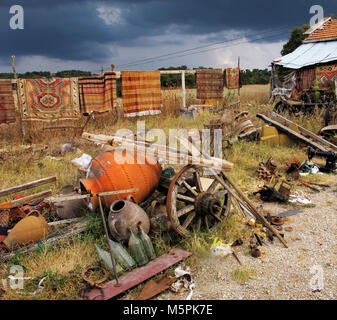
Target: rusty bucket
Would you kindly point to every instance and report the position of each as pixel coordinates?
(107, 173)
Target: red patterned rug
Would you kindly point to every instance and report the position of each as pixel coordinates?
(49, 99)
(326, 75)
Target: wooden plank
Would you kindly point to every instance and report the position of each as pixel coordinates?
(137, 276)
(27, 186)
(305, 131)
(290, 132)
(30, 198)
(86, 196)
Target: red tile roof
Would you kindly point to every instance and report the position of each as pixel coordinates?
(327, 32)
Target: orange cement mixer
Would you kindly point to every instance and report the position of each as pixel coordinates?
(106, 173)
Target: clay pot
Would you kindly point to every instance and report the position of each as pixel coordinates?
(30, 229)
(159, 220)
(125, 214)
(106, 173)
(70, 209)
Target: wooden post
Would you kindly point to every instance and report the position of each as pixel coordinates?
(239, 83)
(18, 101)
(183, 88)
(112, 67)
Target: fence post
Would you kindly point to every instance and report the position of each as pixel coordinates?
(18, 101)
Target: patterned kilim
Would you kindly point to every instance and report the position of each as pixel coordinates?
(97, 93)
(326, 75)
(49, 99)
(209, 84)
(7, 106)
(232, 78)
(141, 93)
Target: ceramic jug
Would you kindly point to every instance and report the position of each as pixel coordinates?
(126, 214)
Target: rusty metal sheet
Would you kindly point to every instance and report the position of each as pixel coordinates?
(137, 276)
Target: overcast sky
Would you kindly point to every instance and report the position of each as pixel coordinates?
(86, 35)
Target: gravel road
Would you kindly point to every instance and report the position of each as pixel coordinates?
(310, 262)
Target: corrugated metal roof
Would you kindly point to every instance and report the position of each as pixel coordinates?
(328, 31)
(309, 54)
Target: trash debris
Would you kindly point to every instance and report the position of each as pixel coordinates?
(83, 162)
(267, 169)
(153, 288)
(296, 197)
(94, 283)
(330, 157)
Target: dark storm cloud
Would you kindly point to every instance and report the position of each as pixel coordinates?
(72, 29)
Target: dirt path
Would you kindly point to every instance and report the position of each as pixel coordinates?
(281, 273)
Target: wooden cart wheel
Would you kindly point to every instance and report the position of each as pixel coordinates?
(190, 207)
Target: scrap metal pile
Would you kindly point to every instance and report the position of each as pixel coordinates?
(139, 198)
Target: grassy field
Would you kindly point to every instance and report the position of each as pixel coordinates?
(62, 263)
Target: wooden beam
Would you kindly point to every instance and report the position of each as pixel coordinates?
(30, 198)
(27, 186)
(290, 132)
(304, 131)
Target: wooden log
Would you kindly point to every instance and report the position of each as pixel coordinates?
(89, 195)
(27, 186)
(29, 199)
(290, 132)
(162, 150)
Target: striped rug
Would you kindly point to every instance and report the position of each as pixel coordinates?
(209, 84)
(233, 78)
(141, 93)
(7, 106)
(97, 93)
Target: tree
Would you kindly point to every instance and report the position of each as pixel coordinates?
(296, 37)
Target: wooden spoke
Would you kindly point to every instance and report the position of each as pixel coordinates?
(189, 219)
(187, 186)
(199, 224)
(213, 186)
(221, 193)
(198, 181)
(216, 217)
(185, 210)
(186, 189)
(185, 198)
(206, 222)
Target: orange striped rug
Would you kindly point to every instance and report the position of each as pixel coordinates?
(141, 93)
(97, 93)
(7, 106)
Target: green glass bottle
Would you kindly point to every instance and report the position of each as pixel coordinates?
(121, 255)
(146, 243)
(137, 250)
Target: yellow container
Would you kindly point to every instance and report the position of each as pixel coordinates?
(28, 230)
